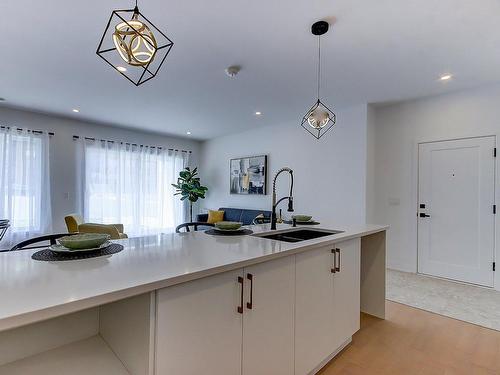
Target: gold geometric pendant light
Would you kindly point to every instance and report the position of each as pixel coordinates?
(319, 118)
(133, 45)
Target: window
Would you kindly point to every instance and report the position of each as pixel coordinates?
(24, 183)
(131, 185)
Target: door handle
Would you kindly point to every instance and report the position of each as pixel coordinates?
(240, 307)
(334, 268)
(338, 263)
(250, 304)
(424, 215)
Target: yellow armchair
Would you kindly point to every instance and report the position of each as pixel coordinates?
(72, 222)
(75, 224)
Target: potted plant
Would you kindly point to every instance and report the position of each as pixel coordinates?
(189, 187)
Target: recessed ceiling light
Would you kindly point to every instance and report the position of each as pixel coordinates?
(258, 113)
(75, 110)
(188, 133)
(121, 69)
(445, 77)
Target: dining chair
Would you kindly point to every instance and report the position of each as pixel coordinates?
(261, 220)
(39, 242)
(194, 225)
(4, 225)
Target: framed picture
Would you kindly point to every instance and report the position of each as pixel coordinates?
(248, 175)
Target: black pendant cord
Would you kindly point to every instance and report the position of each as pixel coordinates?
(319, 63)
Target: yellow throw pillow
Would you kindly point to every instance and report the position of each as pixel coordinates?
(215, 216)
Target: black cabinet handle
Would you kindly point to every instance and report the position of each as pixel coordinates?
(250, 304)
(334, 268)
(424, 215)
(337, 269)
(240, 307)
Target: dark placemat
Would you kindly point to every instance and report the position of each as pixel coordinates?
(302, 222)
(49, 256)
(243, 232)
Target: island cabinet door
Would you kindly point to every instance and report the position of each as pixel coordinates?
(314, 309)
(268, 321)
(346, 285)
(199, 326)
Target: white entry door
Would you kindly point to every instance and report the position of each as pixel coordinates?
(455, 217)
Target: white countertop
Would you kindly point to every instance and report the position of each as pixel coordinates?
(32, 290)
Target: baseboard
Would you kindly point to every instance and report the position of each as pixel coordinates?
(331, 356)
(402, 266)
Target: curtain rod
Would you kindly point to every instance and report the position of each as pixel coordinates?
(28, 130)
(75, 137)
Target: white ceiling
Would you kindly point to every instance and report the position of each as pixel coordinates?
(377, 51)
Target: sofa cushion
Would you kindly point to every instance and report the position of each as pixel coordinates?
(202, 218)
(215, 216)
(232, 214)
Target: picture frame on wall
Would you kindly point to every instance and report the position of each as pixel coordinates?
(248, 175)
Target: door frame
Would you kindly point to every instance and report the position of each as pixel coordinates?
(415, 193)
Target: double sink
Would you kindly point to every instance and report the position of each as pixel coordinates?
(297, 235)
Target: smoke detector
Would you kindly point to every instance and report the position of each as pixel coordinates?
(233, 70)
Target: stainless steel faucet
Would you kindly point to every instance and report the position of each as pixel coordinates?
(290, 197)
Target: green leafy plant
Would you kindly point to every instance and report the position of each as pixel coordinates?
(189, 187)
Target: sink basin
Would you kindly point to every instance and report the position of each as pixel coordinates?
(297, 235)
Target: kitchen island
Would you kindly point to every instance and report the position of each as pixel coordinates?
(192, 303)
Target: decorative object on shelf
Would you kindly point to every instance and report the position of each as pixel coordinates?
(189, 187)
(280, 218)
(133, 45)
(319, 118)
(248, 175)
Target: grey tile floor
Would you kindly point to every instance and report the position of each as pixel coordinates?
(469, 303)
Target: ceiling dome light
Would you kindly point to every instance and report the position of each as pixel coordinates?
(132, 39)
(76, 110)
(258, 113)
(445, 77)
(319, 119)
(233, 70)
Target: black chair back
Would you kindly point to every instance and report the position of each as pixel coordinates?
(39, 242)
(4, 225)
(261, 220)
(195, 225)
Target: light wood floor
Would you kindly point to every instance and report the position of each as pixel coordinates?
(412, 341)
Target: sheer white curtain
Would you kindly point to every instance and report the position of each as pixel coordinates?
(24, 184)
(132, 185)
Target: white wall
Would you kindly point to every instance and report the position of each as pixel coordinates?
(329, 173)
(63, 160)
(399, 129)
